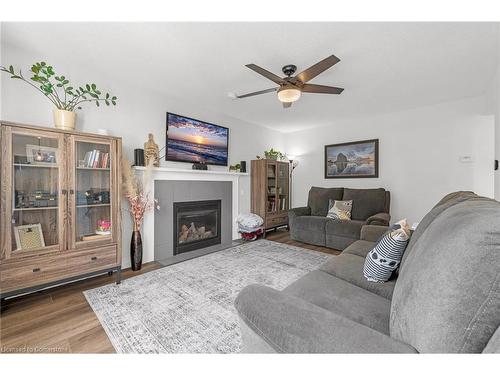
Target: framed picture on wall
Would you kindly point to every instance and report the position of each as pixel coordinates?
(352, 159)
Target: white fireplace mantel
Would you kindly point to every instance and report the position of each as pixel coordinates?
(177, 174)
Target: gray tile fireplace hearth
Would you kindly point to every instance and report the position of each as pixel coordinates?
(169, 192)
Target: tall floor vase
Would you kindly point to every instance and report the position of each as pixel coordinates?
(136, 251)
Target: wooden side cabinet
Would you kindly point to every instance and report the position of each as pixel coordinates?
(270, 196)
(59, 207)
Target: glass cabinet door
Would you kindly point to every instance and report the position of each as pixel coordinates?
(37, 201)
(272, 199)
(283, 181)
(92, 199)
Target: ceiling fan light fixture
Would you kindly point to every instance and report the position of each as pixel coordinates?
(289, 94)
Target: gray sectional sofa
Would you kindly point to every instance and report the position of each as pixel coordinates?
(310, 224)
(445, 299)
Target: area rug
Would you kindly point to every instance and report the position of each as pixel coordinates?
(188, 307)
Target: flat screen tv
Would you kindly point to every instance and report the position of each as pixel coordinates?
(195, 141)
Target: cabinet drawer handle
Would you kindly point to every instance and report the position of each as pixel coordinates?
(36, 269)
(93, 258)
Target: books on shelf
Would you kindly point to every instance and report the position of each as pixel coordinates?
(273, 203)
(96, 159)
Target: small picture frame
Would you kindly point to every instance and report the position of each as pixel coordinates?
(29, 237)
(42, 155)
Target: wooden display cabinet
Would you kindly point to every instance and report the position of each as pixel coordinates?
(270, 197)
(59, 207)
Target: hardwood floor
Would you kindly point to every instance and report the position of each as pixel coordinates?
(283, 236)
(59, 320)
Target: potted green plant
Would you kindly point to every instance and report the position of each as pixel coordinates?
(65, 97)
(234, 168)
(273, 154)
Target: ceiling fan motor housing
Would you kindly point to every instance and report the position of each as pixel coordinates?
(289, 70)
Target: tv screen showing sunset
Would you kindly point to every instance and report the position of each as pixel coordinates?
(195, 141)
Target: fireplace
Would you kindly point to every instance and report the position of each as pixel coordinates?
(197, 224)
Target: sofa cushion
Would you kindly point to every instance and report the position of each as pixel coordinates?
(448, 201)
(319, 198)
(343, 298)
(447, 298)
(292, 325)
(494, 343)
(310, 223)
(309, 229)
(344, 228)
(349, 267)
(365, 202)
(359, 248)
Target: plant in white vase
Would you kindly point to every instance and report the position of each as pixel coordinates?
(65, 97)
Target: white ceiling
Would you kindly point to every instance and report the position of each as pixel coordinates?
(384, 67)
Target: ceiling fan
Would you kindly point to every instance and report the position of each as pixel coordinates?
(290, 88)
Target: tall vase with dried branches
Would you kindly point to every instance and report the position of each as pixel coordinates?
(137, 193)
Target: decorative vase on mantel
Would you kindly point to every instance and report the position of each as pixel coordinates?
(136, 250)
(64, 120)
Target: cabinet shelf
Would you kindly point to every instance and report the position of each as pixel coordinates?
(91, 169)
(36, 208)
(19, 165)
(93, 205)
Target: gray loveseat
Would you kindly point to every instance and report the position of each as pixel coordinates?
(446, 298)
(310, 224)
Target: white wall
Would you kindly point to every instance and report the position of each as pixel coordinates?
(496, 83)
(493, 108)
(138, 112)
(419, 154)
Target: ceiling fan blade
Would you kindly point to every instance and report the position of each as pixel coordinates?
(287, 105)
(263, 72)
(318, 68)
(256, 93)
(320, 89)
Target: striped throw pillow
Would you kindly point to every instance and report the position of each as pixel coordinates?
(339, 210)
(386, 255)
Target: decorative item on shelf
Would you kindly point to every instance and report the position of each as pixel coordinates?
(103, 227)
(21, 159)
(92, 197)
(140, 202)
(272, 154)
(42, 155)
(235, 168)
(151, 152)
(38, 198)
(352, 159)
(201, 166)
(243, 166)
(139, 157)
(29, 237)
(66, 98)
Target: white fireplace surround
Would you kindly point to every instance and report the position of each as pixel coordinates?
(177, 174)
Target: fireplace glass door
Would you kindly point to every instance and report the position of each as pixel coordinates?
(196, 225)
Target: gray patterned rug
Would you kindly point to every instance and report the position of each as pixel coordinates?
(188, 307)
